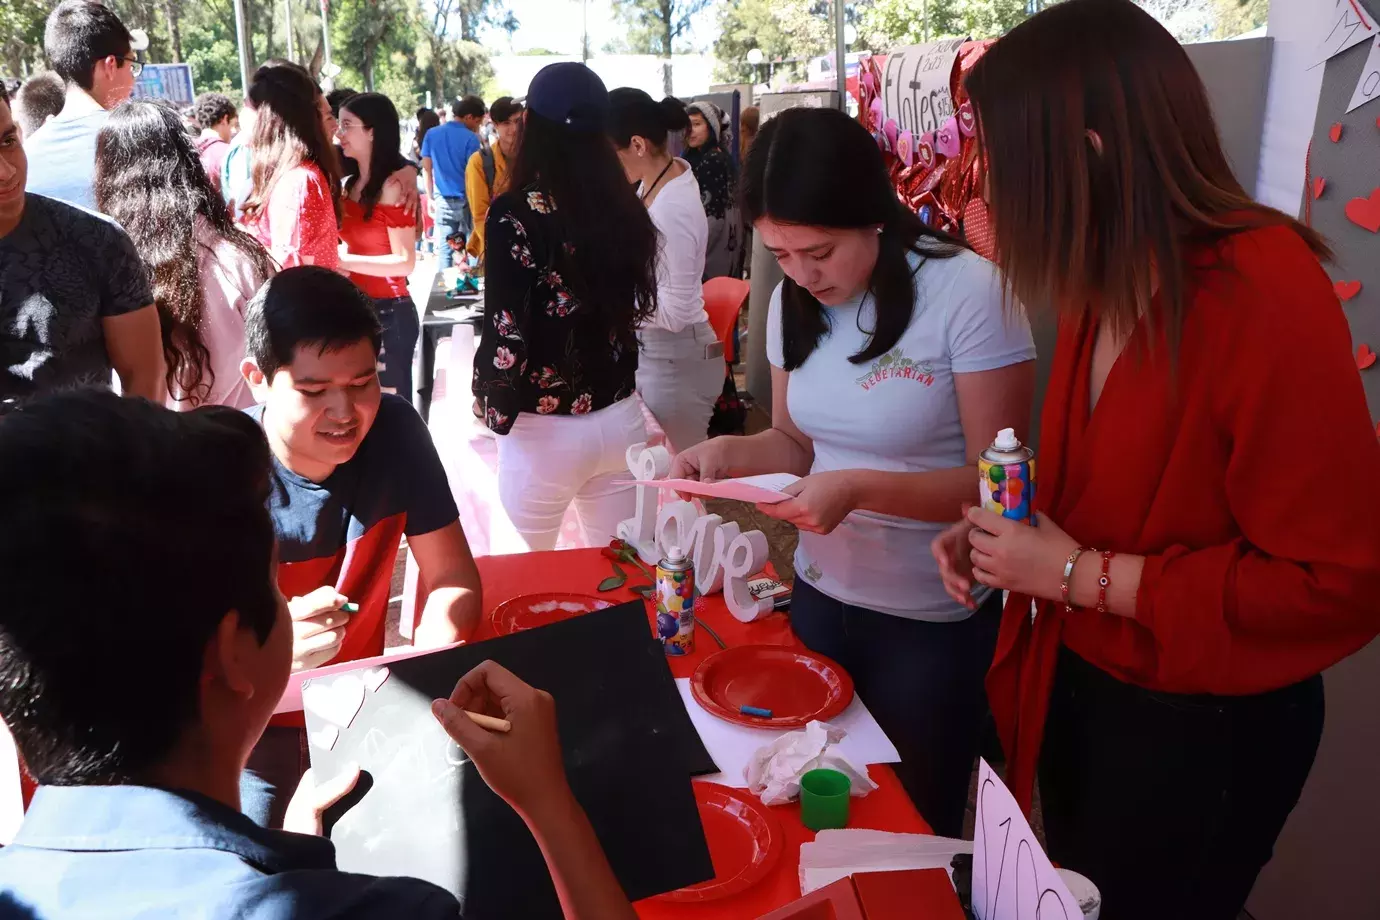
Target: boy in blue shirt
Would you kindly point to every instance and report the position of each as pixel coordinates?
(143, 646)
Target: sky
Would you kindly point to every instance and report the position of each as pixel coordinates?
(557, 25)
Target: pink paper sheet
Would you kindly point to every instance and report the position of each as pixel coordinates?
(765, 489)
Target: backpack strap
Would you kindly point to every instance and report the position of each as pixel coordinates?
(486, 158)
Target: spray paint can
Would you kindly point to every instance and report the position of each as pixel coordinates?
(675, 602)
(1006, 478)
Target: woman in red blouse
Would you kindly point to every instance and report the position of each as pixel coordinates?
(1203, 552)
(378, 236)
(293, 206)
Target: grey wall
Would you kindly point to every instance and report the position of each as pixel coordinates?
(1326, 860)
(1237, 75)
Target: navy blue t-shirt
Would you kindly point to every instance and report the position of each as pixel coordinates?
(345, 531)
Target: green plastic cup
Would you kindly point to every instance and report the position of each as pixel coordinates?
(824, 799)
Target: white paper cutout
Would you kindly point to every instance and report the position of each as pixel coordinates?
(374, 678)
(1368, 86)
(338, 701)
(675, 524)
(325, 737)
(1012, 876)
(745, 556)
(639, 531)
(1347, 26)
(709, 575)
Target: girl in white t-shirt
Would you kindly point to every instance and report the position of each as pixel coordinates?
(680, 369)
(895, 359)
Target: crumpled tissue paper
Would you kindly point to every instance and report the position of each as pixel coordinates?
(775, 770)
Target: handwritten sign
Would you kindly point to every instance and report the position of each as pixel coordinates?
(1347, 26)
(915, 87)
(1368, 87)
(1012, 876)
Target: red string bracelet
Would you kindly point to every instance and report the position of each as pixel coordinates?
(1104, 581)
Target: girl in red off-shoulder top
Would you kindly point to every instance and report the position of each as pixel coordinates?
(1203, 438)
(378, 236)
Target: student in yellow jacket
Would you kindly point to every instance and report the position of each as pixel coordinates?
(487, 170)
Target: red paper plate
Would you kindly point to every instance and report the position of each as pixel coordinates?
(744, 843)
(532, 610)
(797, 686)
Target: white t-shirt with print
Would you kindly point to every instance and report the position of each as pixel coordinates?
(897, 413)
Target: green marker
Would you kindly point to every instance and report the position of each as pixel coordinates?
(350, 607)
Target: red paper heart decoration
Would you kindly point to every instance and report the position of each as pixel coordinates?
(1364, 356)
(1335, 133)
(967, 119)
(1347, 289)
(1318, 185)
(1365, 212)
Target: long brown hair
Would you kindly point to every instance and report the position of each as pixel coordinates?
(287, 133)
(150, 179)
(1104, 165)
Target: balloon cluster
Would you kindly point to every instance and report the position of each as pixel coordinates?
(939, 174)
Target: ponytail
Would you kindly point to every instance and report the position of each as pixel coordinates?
(633, 113)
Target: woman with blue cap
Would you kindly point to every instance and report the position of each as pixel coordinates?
(570, 275)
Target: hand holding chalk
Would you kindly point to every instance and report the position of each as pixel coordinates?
(318, 626)
(521, 762)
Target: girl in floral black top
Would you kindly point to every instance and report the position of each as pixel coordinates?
(540, 352)
(570, 273)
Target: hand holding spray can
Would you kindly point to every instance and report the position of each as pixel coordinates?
(1006, 478)
(675, 602)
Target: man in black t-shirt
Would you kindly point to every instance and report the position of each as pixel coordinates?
(74, 297)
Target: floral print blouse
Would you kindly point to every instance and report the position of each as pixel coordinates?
(539, 352)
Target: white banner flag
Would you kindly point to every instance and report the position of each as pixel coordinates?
(1368, 87)
(1348, 25)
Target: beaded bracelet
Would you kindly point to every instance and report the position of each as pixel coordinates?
(1065, 589)
(1104, 581)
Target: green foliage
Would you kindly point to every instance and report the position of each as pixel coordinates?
(790, 31)
(654, 25)
(887, 24)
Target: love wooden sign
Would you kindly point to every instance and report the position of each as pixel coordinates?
(723, 556)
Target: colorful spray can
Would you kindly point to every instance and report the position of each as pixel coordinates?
(675, 602)
(1006, 478)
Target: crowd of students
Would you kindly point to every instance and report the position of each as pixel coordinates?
(1155, 660)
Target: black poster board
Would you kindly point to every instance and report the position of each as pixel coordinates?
(421, 808)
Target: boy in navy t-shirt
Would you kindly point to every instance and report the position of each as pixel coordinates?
(355, 470)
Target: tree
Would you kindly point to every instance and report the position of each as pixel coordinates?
(888, 24)
(654, 26)
(364, 30)
(788, 32)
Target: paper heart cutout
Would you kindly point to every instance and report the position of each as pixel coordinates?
(325, 737)
(1318, 185)
(869, 81)
(946, 139)
(1364, 356)
(878, 113)
(338, 702)
(967, 119)
(374, 678)
(924, 151)
(1365, 212)
(1335, 132)
(905, 147)
(1347, 289)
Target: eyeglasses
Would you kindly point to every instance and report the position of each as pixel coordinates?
(135, 66)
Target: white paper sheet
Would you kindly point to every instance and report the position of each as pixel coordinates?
(1012, 876)
(764, 489)
(732, 745)
(292, 695)
(837, 854)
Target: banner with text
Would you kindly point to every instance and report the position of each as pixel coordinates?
(915, 87)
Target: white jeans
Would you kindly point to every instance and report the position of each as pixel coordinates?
(680, 375)
(547, 461)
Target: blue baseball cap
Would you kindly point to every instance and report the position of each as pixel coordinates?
(570, 94)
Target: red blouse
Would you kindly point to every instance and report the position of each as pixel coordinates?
(370, 238)
(298, 225)
(1241, 476)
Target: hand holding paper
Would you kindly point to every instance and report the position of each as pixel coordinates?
(818, 503)
(766, 489)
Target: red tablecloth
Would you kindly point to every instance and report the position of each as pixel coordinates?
(580, 571)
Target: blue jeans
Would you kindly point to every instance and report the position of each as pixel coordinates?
(270, 778)
(398, 317)
(452, 215)
(922, 681)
